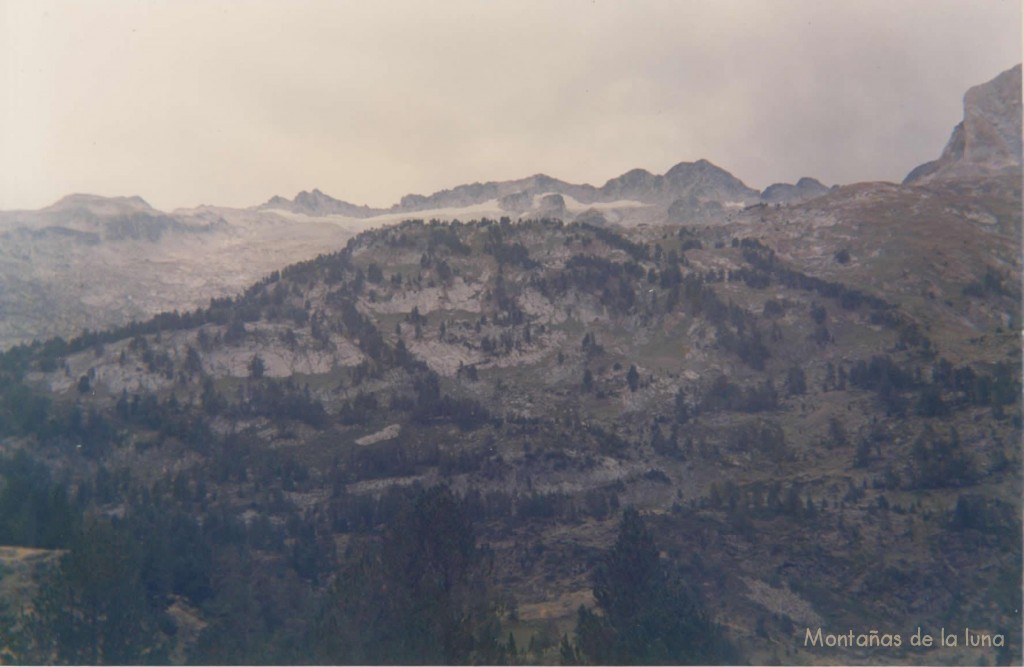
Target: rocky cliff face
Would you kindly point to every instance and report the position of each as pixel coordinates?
(988, 139)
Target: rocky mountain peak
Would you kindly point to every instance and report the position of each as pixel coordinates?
(89, 219)
(989, 137)
(808, 182)
(315, 202)
(805, 188)
(694, 185)
(704, 173)
(101, 206)
(634, 175)
(638, 184)
(544, 181)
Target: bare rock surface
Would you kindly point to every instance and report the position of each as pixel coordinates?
(989, 137)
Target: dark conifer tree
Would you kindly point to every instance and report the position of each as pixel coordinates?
(649, 617)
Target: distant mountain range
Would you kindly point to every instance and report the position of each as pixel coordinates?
(92, 262)
(987, 140)
(687, 188)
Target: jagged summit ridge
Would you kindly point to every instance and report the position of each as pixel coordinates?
(478, 193)
(989, 137)
(987, 140)
(701, 177)
(318, 203)
(699, 181)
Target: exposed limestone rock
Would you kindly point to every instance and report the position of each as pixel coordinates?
(989, 137)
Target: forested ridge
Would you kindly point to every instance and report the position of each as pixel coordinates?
(511, 443)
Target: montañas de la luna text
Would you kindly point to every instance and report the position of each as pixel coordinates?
(874, 638)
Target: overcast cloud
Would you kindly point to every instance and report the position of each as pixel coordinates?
(227, 102)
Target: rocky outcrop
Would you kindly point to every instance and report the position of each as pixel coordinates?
(788, 193)
(691, 209)
(552, 206)
(988, 140)
(637, 184)
(517, 202)
(317, 203)
(708, 183)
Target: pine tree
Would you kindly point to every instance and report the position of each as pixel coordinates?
(94, 609)
(420, 598)
(648, 615)
(256, 367)
(633, 378)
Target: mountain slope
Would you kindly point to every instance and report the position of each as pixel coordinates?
(91, 262)
(809, 447)
(816, 408)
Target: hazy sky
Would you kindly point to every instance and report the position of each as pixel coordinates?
(230, 102)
